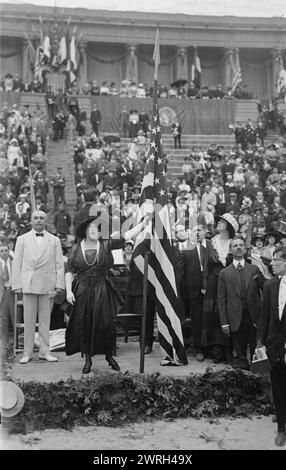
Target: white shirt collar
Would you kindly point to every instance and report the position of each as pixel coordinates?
(235, 263)
(204, 243)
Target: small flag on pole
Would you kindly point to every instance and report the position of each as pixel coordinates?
(156, 55)
(196, 71)
(236, 71)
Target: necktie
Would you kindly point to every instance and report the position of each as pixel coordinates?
(39, 234)
(242, 284)
(6, 272)
(239, 267)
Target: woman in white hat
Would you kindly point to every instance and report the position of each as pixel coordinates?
(212, 337)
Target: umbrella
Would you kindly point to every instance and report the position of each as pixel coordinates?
(108, 139)
(179, 82)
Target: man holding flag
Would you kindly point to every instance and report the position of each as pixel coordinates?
(155, 239)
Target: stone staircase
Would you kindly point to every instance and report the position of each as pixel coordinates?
(59, 155)
(188, 142)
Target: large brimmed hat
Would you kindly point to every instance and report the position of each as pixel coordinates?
(257, 236)
(232, 222)
(81, 229)
(11, 399)
(273, 233)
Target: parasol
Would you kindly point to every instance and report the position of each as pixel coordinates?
(179, 82)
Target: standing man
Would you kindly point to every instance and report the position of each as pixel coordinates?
(38, 273)
(6, 299)
(58, 182)
(195, 280)
(62, 220)
(272, 336)
(124, 121)
(95, 119)
(239, 303)
(177, 133)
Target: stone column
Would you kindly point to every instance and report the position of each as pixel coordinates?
(181, 67)
(277, 66)
(82, 73)
(132, 64)
(27, 74)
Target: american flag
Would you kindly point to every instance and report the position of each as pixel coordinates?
(196, 70)
(236, 71)
(161, 275)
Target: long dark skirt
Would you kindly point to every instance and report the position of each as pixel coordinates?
(92, 328)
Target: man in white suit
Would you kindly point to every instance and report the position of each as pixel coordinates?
(38, 273)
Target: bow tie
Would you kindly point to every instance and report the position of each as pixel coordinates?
(39, 234)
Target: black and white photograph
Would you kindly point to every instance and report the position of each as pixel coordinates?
(142, 229)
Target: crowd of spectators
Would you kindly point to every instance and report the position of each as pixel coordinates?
(249, 184)
(248, 181)
(128, 89)
(23, 139)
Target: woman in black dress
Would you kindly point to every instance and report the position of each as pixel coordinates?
(91, 328)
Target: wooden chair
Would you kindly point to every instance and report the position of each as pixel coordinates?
(127, 323)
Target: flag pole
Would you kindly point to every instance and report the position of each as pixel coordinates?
(144, 310)
(32, 192)
(156, 59)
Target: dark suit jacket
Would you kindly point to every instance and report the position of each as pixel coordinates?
(271, 330)
(194, 278)
(229, 295)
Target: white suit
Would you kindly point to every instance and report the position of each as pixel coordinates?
(37, 270)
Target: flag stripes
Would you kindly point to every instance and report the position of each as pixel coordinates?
(237, 76)
(196, 70)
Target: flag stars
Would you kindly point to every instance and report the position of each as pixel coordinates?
(157, 181)
(154, 130)
(159, 161)
(163, 173)
(162, 192)
(158, 128)
(151, 156)
(153, 144)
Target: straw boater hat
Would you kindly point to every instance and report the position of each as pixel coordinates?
(11, 399)
(232, 223)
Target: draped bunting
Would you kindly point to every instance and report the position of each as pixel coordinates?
(195, 116)
(9, 97)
